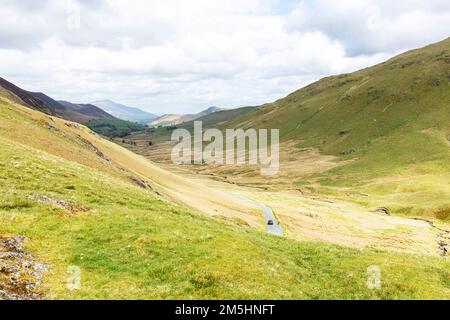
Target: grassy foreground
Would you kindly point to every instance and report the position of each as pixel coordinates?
(129, 244)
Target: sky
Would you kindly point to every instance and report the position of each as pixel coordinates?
(184, 56)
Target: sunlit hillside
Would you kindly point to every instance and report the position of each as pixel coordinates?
(79, 201)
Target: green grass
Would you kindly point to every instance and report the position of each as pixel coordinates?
(131, 245)
(113, 128)
(341, 116)
(390, 120)
(214, 120)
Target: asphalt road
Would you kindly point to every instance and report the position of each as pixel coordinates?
(274, 229)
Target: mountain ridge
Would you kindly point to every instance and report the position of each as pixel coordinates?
(62, 109)
(124, 112)
(389, 122)
(176, 119)
(88, 109)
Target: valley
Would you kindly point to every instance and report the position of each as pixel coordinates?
(319, 217)
(377, 138)
(364, 181)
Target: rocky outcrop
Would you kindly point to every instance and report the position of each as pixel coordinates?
(20, 274)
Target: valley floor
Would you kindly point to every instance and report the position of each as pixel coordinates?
(306, 215)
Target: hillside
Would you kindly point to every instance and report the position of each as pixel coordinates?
(124, 112)
(41, 102)
(87, 109)
(387, 126)
(176, 119)
(137, 231)
(378, 137)
(218, 118)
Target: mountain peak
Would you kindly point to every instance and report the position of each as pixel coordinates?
(125, 112)
(175, 119)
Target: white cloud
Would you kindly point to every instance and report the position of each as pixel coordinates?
(373, 26)
(180, 56)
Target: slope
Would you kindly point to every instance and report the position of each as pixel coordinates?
(388, 127)
(87, 109)
(216, 119)
(41, 102)
(84, 146)
(83, 202)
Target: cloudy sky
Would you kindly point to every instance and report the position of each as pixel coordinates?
(182, 56)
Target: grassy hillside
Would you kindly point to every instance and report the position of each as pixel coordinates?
(80, 113)
(390, 122)
(75, 199)
(218, 118)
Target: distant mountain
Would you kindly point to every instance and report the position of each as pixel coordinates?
(87, 109)
(62, 109)
(217, 119)
(175, 119)
(124, 112)
(34, 100)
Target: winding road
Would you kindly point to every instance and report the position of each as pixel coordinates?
(274, 229)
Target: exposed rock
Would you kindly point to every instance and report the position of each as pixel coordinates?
(356, 195)
(20, 274)
(347, 152)
(91, 147)
(443, 248)
(70, 206)
(443, 236)
(383, 210)
(55, 129)
(72, 125)
(141, 183)
(313, 215)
